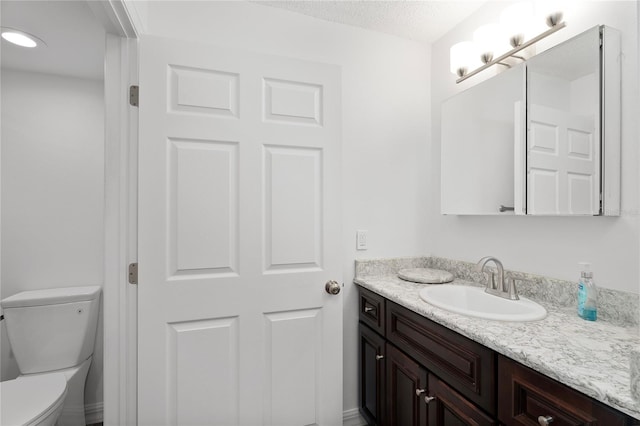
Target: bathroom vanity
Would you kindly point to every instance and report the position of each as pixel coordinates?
(421, 365)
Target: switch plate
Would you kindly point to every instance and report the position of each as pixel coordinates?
(361, 240)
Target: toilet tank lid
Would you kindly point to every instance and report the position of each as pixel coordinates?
(51, 296)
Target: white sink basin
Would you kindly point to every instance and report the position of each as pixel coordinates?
(474, 302)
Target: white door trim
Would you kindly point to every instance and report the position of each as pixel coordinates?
(119, 297)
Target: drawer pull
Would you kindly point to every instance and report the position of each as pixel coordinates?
(379, 357)
(368, 309)
(419, 392)
(428, 398)
(545, 420)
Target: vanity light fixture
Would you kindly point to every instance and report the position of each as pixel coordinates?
(490, 41)
(21, 38)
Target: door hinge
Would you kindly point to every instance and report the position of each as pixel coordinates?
(133, 95)
(133, 273)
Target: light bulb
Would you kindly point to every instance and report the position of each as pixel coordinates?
(461, 57)
(490, 42)
(517, 21)
(549, 12)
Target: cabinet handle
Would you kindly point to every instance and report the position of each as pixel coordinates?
(419, 392)
(545, 420)
(368, 309)
(379, 357)
(428, 398)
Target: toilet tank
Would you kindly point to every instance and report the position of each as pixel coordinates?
(52, 329)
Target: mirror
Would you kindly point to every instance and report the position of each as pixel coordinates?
(564, 147)
(477, 157)
(554, 150)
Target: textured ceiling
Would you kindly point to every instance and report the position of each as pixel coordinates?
(424, 21)
(75, 42)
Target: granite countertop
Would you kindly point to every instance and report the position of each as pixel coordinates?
(591, 357)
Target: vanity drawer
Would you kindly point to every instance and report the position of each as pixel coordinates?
(467, 366)
(372, 310)
(526, 395)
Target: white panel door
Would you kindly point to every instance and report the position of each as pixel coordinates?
(563, 164)
(239, 229)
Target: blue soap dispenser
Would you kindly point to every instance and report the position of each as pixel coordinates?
(587, 294)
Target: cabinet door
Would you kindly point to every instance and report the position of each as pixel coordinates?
(449, 408)
(406, 389)
(372, 362)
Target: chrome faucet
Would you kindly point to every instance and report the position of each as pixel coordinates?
(503, 288)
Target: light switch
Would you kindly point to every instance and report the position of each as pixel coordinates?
(361, 240)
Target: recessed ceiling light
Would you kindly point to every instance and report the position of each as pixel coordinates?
(21, 38)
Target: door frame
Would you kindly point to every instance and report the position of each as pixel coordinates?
(122, 25)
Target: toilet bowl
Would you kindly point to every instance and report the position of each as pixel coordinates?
(33, 400)
(72, 413)
(52, 334)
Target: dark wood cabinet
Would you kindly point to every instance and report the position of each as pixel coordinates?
(406, 390)
(372, 376)
(372, 310)
(449, 408)
(526, 396)
(464, 364)
(414, 372)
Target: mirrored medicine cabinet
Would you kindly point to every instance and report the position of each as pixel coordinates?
(542, 138)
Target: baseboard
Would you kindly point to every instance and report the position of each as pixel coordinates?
(353, 418)
(94, 413)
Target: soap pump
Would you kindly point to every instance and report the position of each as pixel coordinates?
(587, 294)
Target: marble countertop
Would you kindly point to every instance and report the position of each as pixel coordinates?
(591, 357)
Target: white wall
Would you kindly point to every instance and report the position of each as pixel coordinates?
(385, 92)
(52, 192)
(549, 246)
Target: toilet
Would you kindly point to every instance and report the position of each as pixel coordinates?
(33, 400)
(52, 334)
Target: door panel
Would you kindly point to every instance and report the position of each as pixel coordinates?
(293, 102)
(293, 203)
(562, 163)
(204, 91)
(203, 200)
(239, 229)
(204, 383)
(292, 340)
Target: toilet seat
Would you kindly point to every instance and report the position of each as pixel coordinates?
(28, 400)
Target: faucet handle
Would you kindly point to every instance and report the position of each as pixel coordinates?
(511, 288)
